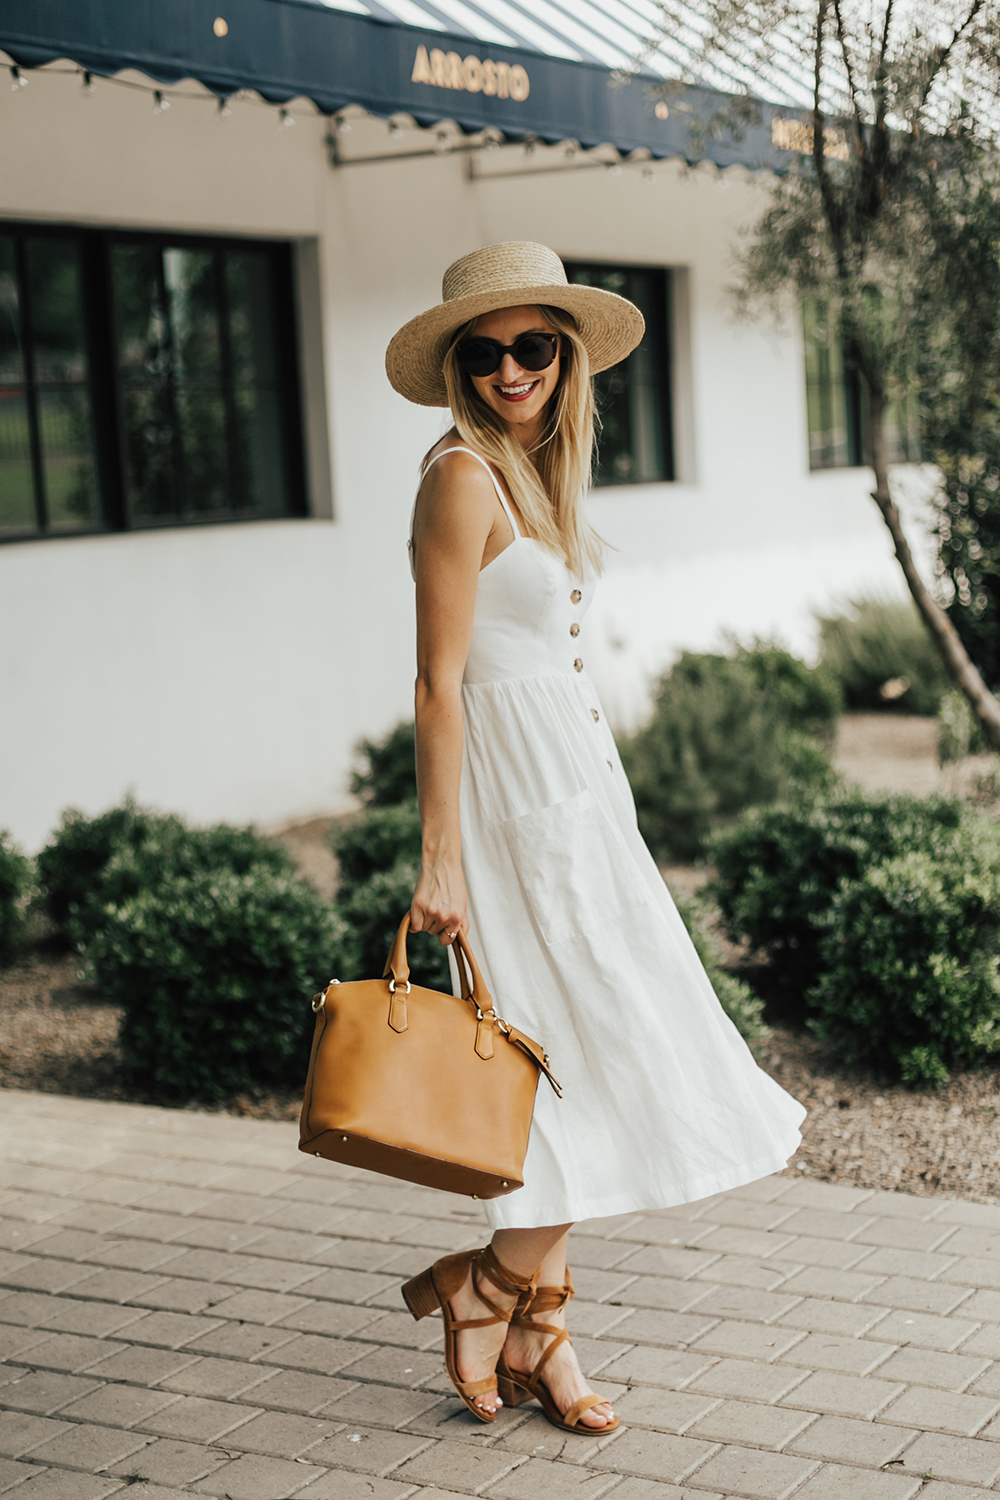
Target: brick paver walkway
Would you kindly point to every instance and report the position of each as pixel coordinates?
(189, 1306)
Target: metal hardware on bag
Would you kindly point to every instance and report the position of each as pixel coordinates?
(505, 1184)
(491, 1015)
(392, 986)
(475, 1195)
(317, 1153)
(343, 1137)
(319, 1000)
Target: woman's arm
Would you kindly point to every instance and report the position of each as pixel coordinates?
(455, 515)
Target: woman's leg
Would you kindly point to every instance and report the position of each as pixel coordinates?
(520, 1251)
(524, 1349)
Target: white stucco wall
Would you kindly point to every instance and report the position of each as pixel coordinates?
(225, 672)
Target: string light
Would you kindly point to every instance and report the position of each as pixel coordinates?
(17, 79)
(442, 141)
(87, 86)
(285, 120)
(160, 105)
(224, 111)
(395, 129)
(648, 176)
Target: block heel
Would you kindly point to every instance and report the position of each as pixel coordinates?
(421, 1296)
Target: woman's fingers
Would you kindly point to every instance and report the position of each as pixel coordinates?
(443, 925)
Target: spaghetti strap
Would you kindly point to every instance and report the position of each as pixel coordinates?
(496, 483)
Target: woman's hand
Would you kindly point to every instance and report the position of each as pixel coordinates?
(439, 902)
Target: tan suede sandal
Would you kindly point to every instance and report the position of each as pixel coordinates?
(435, 1288)
(515, 1388)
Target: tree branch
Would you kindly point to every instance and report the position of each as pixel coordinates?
(944, 53)
(849, 70)
(831, 207)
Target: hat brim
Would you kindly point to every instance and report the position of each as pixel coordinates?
(609, 326)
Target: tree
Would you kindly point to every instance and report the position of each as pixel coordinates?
(958, 375)
(911, 91)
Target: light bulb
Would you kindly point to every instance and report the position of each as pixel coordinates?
(17, 79)
(224, 110)
(285, 120)
(160, 105)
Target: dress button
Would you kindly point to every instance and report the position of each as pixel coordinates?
(575, 596)
(578, 665)
(596, 715)
(574, 629)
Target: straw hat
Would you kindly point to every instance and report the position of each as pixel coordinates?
(509, 275)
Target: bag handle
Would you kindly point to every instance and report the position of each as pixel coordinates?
(397, 965)
(474, 992)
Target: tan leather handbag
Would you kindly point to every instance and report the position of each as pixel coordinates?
(433, 1088)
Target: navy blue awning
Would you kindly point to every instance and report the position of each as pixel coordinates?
(285, 49)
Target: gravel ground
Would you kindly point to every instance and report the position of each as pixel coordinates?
(57, 1036)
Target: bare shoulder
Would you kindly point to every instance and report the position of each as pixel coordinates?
(456, 489)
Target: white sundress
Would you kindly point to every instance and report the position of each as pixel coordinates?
(578, 938)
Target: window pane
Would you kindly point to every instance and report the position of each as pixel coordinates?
(152, 450)
(65, 409)
(260, 438)
(259, 450)
(251, 317)
(56, 310)
(827, 392)
(201, 412)
(203, 395)
(192, 293)
(633, 397)
(65, 430)
(17, 491)
(11, 359)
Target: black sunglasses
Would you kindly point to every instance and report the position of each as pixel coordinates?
(532, 351)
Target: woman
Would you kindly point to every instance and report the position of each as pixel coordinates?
(529, 833)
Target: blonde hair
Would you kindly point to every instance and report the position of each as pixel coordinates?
(547, 482)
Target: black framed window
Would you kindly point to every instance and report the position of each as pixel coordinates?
(836, 407)
(633, 398)
(145, 380)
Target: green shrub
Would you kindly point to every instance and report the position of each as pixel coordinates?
(778, 868)
(959, 731)
(378, 854)
(736, 997)
(379, 858)
(375, 841)
(214, 971)
(96, 863)
(874, 648)
(910, 964)
(388, 771)
(15, 884)
(374, 908)
(727, 732)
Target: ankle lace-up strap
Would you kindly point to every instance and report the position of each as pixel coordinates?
(544, 1299)
(485, 1266)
